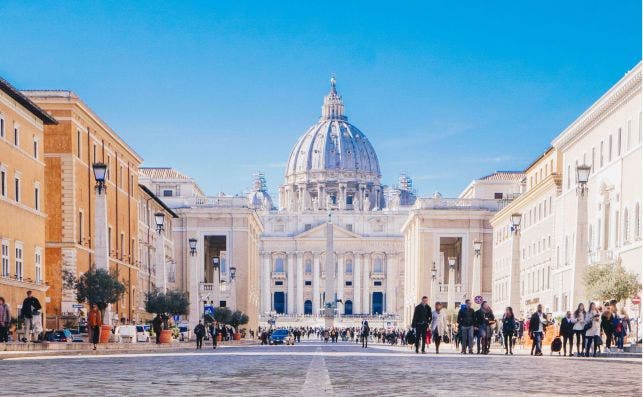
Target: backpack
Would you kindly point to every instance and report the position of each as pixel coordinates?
(410, 338)
(556, 345)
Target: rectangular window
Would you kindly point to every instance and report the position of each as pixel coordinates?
(19, 269)
(17, 189)
(122, 247)
(497, 196)
(593, 158)
(167, 193)
(618, 142)
(80, 227)
(601, 155)
(308, 283)
(5, 259)
(3, 183)
(349, 200)
(377, 283)
(1, 127)
(307, 226)
(36, 198)
(16, 136)
(38, 263)
(94, 153)
(349, 227)
(349, 283)
(279, 283)
(78, 143)
(35, 149)
(109, 240)
(609, 150)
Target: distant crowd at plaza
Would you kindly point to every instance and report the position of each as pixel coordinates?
(584, 332)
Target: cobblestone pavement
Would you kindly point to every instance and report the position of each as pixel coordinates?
(317, 369)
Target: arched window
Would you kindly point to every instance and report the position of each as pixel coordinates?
(349, 266)
(279, 265)
(378, 266)
(308, 266)
(626, 226)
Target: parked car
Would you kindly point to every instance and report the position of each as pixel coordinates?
(281, 337)
(142, 333)
(58, 336)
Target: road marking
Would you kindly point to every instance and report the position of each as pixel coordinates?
(317, 378)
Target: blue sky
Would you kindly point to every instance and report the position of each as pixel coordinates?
(446, 92)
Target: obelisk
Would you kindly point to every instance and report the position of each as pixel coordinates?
(329, 270)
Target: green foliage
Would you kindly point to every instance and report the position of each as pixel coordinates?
(611, 281)
(100, 287)
(238, 318)
(223, 315)
(167, 304)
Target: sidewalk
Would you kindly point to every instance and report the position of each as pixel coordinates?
(19, 349)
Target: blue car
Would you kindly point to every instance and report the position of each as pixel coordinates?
(281, 337)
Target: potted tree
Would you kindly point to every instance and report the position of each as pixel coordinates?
(236, 319)
(222, 315)
(166, 305)
(102, 288)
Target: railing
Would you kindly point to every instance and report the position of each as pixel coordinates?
(377, 275)
(217, 201)
(445, 288)
(278, 275)
(602, 256)
(456, 203)
(207, 287)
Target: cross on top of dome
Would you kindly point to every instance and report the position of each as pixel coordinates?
(333, 107)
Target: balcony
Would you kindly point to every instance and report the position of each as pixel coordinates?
(207, 287)
(445, 288)
(377, 275)
(278, 275)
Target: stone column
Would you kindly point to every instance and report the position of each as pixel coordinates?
(357, 284)
(475, 274)
(266, 304)
(581, 248)
(161, 271)
(391, 282)
(340, 280)
(316, 280)
(290, 308)
(366, 279)
(192, 268)
(299, 292)
(515, 297)
(451, 288)
(342, 196)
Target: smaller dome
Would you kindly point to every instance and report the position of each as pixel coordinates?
(259, 198)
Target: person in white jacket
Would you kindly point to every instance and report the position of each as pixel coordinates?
(438, 325)
(579, 329)
(593, 328)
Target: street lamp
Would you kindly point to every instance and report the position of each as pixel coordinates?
(233, 272)
(582, 176)
(452, 262)
(215, 262)
(100, 171)
(434, 272)
(159, 217)
(515, 222)
(192, 242)
(477, 247)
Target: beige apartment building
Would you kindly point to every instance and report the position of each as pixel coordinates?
(23, 210)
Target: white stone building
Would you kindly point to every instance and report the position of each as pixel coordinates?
(561, 231)
(381, 259)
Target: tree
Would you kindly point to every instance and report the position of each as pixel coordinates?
(167, 304)
(223, 315)
(611, 281)
(238, 318)
(100, 287)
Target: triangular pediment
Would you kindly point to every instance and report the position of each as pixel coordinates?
(319, 232)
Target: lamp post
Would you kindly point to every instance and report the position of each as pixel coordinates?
(434, 276)
(192, 244)
(233, 287)
(161, 276)
(101, 238)
(216, 264)
(581, 243)
(477, 268)
(451, 289)
(194, 284)
(515, 296)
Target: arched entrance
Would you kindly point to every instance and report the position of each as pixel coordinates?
(308, 307)
(378, 303)
(280, 302)
(348, 307)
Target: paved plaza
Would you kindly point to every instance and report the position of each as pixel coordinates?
(313, 368)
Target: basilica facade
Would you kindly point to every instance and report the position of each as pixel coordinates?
(336, 235)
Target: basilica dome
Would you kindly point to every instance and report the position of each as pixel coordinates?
(333, 149)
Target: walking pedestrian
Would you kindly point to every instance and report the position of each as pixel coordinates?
(30, 312)
(592, 329)
(537, 325)
(438, 325)
(421, 321)
(483, 319)
(364, 332)
(5, 321)
(465, 324)
(579, 329)
(157, 326)
(607, 326)
(214, 333)
(94, 322)
(567, 332)
(199, 332)
(508, 329)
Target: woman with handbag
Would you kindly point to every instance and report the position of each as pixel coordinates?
(592, 329)
(579, 329)
(508, 329)
(438, 326)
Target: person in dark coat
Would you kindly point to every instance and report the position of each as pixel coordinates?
(537, 325)
(157, 326)
(567, 332)
(509, 329)
(214, 333)
(465, 325)
(199, 332)
(30, 312)
(421, 320)
(364, 333)
(483, 319)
